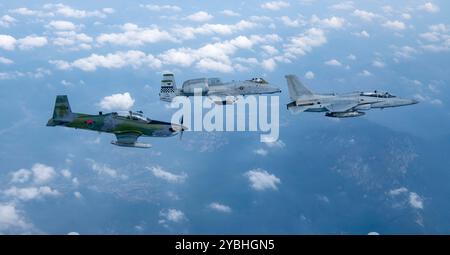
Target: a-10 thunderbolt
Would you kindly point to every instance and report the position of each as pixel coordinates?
(339, 105)
(218, 91)
(127, 126)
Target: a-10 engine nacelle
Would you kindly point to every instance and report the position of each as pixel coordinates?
(363, 107)
(195, 86)
(344, 114)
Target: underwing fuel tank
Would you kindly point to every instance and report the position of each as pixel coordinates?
(344, 114)
(134, 145)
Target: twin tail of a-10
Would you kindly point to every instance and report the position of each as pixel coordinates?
(219, 92)
(339, 105)
(127, 126)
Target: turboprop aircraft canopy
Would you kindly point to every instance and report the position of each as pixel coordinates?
(139, 115)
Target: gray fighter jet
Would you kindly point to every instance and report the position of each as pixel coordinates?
(218, 91)
(339, 105)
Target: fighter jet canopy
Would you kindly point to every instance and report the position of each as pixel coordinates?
(258, 80)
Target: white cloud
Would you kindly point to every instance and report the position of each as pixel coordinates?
(278, 144)
(21, 176)
(167, 176)
(404, 52)
(78, 195)
(346, 5)
(30, 193)
(333, 22)
(172, 215)
(67, 11)
(396, 192)
(373, 234)
(292, 22)
(394, 25)
(6, 61)
(213, 56)
(159, 8)
(133, 35)
(351, 57)
(415, 200)
(261, 180)
(7, 21)
(103, 170)
(387, 9)
(261, 152)
(438, 39)
(27, 12)
(61, 25)
(108, 10)
(364, 15)
(304, 43)
(309, 75)
(207, 64)
(200, 16)
(436, 102)
(363, 33)
(66, 173)
(333, 62)
(429, 7)
(182, 57)
(110, 61)
(275, 5)
(406, 16)
(114, 102)
(11, 218)
(306, 2)
(72, 40)
(186, 32)
(73, 234)
(42, 173)
(378, 63)
(31, 42)
(220, 207)
(269, 49)
(269, 64)
(230, 13)
(365, 73)
(7, 42)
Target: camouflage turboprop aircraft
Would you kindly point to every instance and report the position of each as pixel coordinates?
(127, 126)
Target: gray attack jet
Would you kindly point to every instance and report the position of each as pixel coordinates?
(339, 105)
(218, 91)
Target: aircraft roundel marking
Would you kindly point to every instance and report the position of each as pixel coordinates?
(89, 122)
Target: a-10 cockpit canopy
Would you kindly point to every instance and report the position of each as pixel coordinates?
(139, 115)
(258, 80)
(377, 94)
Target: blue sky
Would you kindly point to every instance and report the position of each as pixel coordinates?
(384, 172)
